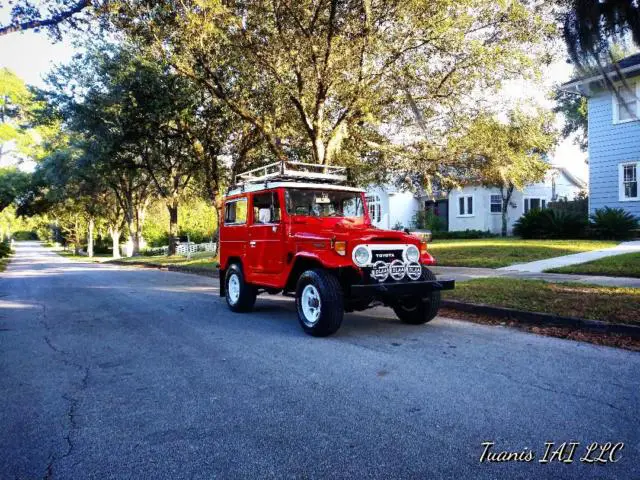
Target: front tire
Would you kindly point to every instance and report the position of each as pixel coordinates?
(241, 297)
(319, 302)
(419, 310)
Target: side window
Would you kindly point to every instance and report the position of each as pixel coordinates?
(235, 212)
(266, 208)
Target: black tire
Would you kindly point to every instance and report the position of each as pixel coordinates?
(331, 304)
(245, 299)
(417, 310)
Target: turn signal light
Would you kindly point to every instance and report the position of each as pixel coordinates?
(423, 247)
(340, 247)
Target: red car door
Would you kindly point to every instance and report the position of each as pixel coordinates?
(266, 234)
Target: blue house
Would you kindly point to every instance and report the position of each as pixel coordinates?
(614, 136)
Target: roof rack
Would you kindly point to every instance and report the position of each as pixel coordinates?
(286, 170)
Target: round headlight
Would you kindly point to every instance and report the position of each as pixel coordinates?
(413, 254)
(361, 256)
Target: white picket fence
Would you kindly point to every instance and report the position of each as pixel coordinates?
(184, 249)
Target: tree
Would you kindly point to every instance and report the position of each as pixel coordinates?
(507, 155)
(48, 14)
(574, 109)
(17, 103)
(309, 76)
(593, 27)
(13, 184)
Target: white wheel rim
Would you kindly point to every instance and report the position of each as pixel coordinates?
(311, 305)
(234, 288)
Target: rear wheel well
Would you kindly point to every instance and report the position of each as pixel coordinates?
(223, 271)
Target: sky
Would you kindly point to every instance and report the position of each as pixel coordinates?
(31, 55)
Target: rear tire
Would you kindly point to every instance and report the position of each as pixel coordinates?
(319, 302)
(241, 297)
(419, 310)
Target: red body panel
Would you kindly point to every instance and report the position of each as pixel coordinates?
(268, 252)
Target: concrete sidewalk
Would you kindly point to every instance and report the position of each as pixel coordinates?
(577, 258)
(462, 274)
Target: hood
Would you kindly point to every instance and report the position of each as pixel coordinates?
(348, 230)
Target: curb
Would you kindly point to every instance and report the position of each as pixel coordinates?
(206, 272)
(544, 319)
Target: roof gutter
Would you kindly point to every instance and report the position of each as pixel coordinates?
(575, 85)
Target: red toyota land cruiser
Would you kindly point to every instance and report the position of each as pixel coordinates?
(289, 228)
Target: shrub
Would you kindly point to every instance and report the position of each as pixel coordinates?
(25, 235)
(463, 235)
(5, 249)
(613, 223)
(547, 223)
(427, 220)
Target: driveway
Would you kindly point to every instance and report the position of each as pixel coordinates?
(113, 372)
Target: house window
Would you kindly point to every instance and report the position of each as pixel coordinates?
(465, 206)
(534, 203)
(235, 212)
(373, 204)
(625, 105)
(496, 203)
(629, 181)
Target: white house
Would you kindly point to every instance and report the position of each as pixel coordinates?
(471, 207)
(390, 207)
(480, 208)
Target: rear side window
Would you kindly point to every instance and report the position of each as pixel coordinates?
(235, 212)
(266, 208)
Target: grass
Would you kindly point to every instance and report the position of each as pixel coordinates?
(592, 302)
(98, 257)
(201, 260)
(502, 252)
(626, 265)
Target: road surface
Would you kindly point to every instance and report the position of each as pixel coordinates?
(112, 372)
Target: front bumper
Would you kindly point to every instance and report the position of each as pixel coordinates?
(423, 287)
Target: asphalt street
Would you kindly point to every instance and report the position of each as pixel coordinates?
(118, 372)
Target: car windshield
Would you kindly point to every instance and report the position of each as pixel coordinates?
(324, 203)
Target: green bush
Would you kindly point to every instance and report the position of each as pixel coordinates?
(547, 223)
(463, 235)
(23, 235)
(427, 220)
(5, 249)
(613, 223)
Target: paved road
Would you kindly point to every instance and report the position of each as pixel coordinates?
(110, 372)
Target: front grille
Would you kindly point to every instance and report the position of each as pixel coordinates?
(386, 256)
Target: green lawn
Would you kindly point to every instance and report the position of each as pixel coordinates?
(626, 265)
(200, 260)
(98, 257)
(593, 302)
(501, 252)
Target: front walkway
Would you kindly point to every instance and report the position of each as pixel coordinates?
(462, 274)
(576, 258)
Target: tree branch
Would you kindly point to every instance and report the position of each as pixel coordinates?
(47, 22)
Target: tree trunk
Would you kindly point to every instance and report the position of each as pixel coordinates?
(90, 237)
(140, 215)
(506, 198)
(173, 226)
(76, 239)
(115, 241)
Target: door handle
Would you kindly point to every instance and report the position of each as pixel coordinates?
(252, 244)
